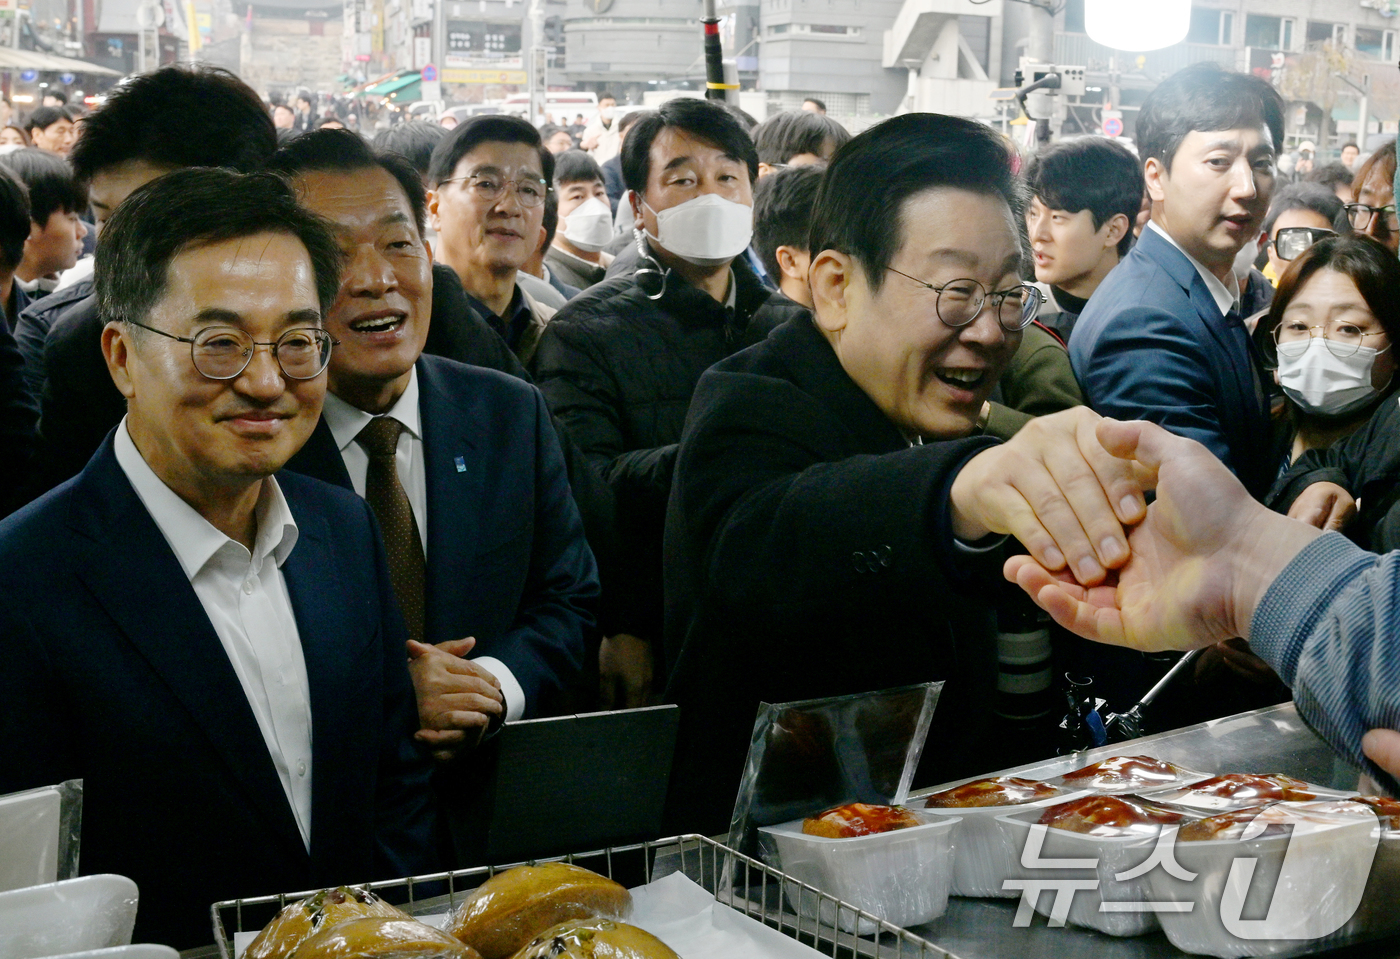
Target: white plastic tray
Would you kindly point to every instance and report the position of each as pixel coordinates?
(29, 824)
(76, 915)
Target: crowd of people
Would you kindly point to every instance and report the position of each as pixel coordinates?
(341, 454)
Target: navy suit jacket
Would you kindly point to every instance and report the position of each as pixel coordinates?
(507, 558)
(114, 674)
(1152, 345)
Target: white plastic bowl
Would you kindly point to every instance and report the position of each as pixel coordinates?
(985, 852)
(76, 915)
(902, 876)
(143, 950)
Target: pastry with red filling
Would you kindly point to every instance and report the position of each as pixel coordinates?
(998, 791)
(1110, 816)
(858, 819)
(1137, 772)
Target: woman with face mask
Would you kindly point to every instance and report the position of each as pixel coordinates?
(1330, 336)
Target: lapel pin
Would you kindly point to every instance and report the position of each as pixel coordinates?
(461, 462)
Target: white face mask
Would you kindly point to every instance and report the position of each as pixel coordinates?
(589, 227)
(707, 231)
(1322, 383)
(605, 112)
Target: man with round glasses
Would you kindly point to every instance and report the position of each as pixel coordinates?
(490, 178)
(210, 644)
(834, 521)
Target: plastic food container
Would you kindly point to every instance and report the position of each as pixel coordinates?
(1119, 775)
(1314, 892)
(139, 951)
(985, 852)
(902, 876)
(76, 915)
(1204, 804)
(1103, 858)
(29, 824)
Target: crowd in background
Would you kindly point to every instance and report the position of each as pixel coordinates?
(337, 453)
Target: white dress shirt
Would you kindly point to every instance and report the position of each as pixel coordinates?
(346, 422)
(246, 600)
(1224, 297)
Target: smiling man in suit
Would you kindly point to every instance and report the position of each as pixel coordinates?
(484, 539)
(212, 648)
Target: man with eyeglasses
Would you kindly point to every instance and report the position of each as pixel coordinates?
(1299, 216)
(210, 644)
(1374, 213)
(834, 525)
(489, 177)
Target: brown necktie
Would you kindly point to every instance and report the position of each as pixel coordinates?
(386, 496)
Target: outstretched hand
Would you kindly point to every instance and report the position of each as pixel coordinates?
(1200, 561)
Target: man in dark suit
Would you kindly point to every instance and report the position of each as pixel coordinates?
(504, 569)
(832, 520)
(1162, 337)
(213, 649)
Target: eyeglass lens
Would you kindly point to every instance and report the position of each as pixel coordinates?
(489, 188)
(222, 354)
(1292, 338)
(1360, 215)
(1292, 242)
(961, 301)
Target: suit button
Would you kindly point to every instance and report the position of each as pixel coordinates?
(884, 554)
(301, 769)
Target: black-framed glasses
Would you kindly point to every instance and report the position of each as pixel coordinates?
(223, 352)
(962, 301)
(489, 188)
(1293, 241)
(1291, 338)
(1360, 215)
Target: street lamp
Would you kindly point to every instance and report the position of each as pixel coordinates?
(1137, 24)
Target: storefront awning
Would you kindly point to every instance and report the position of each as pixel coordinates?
(11, 60)
(393, 85)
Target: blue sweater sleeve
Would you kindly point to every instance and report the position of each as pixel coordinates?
(1330, 626)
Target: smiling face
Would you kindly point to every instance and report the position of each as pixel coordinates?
(496, 238)
(1214, 199)
(381, 314)
(928, 378)
(201, 435)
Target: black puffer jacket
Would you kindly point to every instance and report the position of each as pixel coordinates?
(618, 370)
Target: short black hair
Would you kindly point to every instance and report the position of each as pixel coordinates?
(1092, 173)
(193, 208)
(14, 220)
(782, 212)
(1331, 175)
(58, 95)
(413, 139)
(346, 151)
(50, 182)
(494, 128)
(605, 95)
(551, 217)
(1303, 196)
(45, 117)
(784, 135)
(861, 214)
(629, 118)
(1350, 143)
(820, 105)
(1205, 97)
(178, 116)
(703, 119)
(575, 166)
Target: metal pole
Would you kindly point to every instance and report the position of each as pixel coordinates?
(714, 55)
(440, 35)
(537, 61)
(1041, 48)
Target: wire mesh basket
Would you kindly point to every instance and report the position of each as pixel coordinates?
(744, 884)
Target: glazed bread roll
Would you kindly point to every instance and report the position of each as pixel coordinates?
(858, 819)
(596, 939)
(997, 791)
(299, 920)
(510, 909)
(379, 938)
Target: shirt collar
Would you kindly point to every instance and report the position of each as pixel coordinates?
(346, 421)
(733, 296)
(1225, 298)
(192, 537)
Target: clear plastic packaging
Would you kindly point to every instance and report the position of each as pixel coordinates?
(385, 938)
(1230, 791)
(903, 876)
(1308, 885)
(1119, 775)
(985, 851)
(75, 915)
(39, 832)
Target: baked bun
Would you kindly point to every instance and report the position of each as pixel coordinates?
(1118, 772)
(997, 791)
(1246, 787)
(379, 938)
(596, 939)
(510, 909)
(299, 920)
(1110, 816)
(858, 819)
